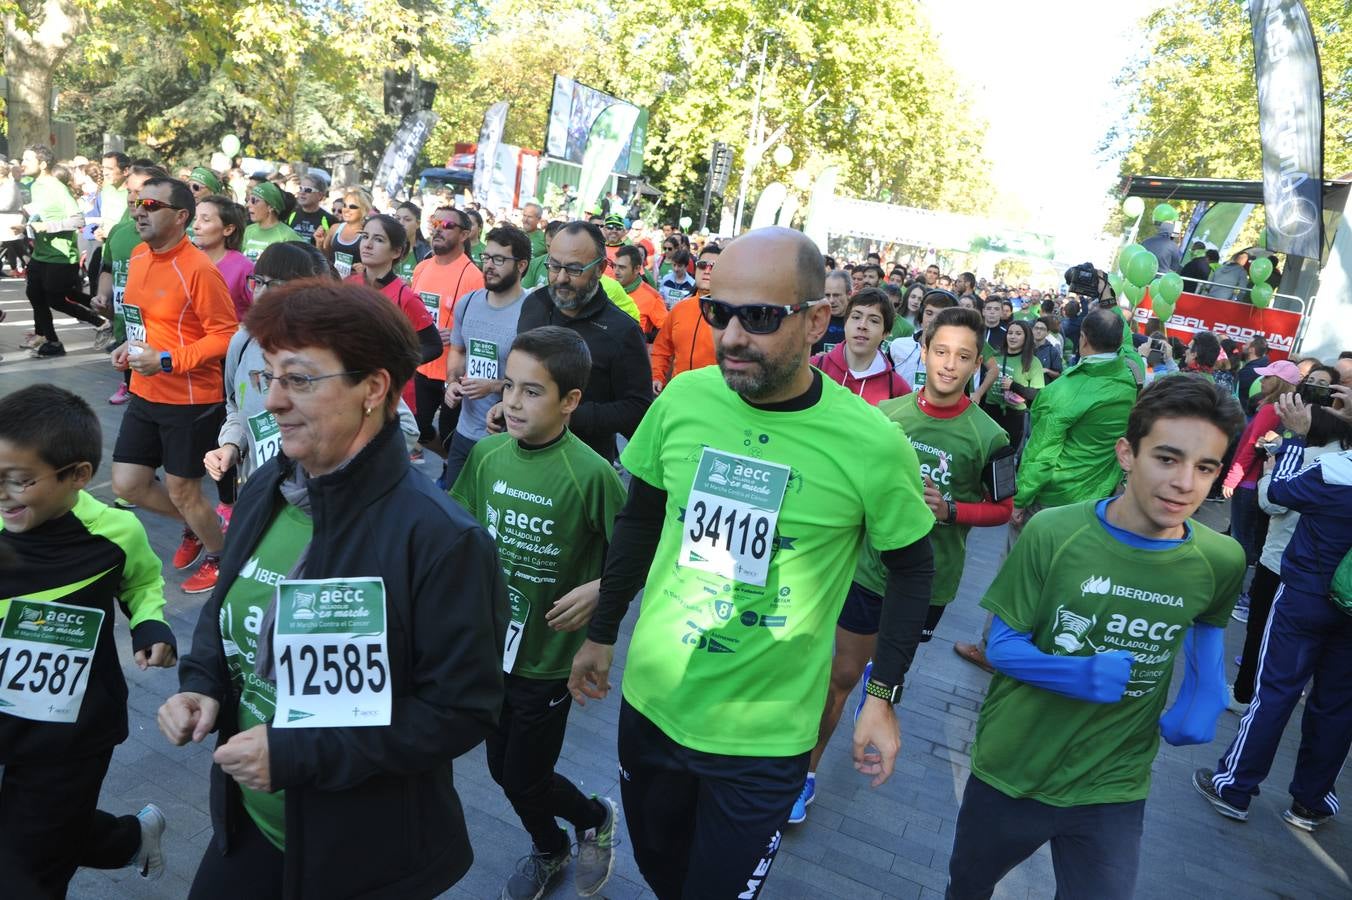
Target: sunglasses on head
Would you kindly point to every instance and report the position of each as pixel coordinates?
(755, 318)
(150, 205)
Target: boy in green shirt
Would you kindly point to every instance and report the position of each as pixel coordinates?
(549, 501)
(1091, 608)
(69, 560)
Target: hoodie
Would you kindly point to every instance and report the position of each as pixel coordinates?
(879, 383)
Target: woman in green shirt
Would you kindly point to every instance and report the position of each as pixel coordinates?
(1021, 377)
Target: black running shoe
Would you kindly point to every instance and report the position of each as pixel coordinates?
(1201, 780)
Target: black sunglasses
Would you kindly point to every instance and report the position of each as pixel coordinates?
(756, 318)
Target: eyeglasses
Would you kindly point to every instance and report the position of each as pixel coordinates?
(150, 205)
(498, 260)
(309, 190)
(15, 488)
(756, 318)
(263, 281)
(573, 270)
(197, 187)
(294, 384)
(704, 264)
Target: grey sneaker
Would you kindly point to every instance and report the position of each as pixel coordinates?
(1304, 818)
(596, 852)
(102, 335)
(534, 874)
(149, 859)
(1201, 780)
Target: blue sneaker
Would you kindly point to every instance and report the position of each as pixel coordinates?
(1241, 611)
(799, 812)
(863, 694)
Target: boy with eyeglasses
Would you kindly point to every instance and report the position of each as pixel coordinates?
(70, 561)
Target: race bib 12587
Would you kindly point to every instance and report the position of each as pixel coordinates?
(46, 651)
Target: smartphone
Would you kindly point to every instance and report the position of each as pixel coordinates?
(1315, 394)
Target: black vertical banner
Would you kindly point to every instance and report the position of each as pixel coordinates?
(1291, 125)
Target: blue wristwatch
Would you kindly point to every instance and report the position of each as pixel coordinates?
(166, 362)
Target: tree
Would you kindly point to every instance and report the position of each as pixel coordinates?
(37, 35)
(1193, 101)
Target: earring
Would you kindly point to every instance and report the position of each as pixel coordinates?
(368, 410)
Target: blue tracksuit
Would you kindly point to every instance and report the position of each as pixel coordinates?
(1306, 636)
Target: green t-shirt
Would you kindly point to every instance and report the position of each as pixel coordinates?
(1078, 590)
(405, 270)
(550, 511)
(1012, 366)
(953, 454)
(112, 204)
(901, 327)
(257, 239)
(726, 666)
(537, 243)
(53, 204)
(537, 276)
(241, 618)
(476, 252)
(123, 238)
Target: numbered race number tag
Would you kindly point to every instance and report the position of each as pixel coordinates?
(119, 286)
(432, 301)
(731, 514)
(483, 360)
(332, 656)
(46, 650)
(267, 437)
(343, 263)
(516, 629)
(136, 326)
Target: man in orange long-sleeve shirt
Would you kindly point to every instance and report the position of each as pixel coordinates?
(685, 340)
(180, 319)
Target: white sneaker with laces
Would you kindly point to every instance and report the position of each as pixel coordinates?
(149, 859)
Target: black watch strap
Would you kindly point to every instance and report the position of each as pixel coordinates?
(889, 692)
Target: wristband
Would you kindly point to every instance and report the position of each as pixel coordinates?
(890, 693)
(952, 513)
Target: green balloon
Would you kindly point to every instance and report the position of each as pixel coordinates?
(1142, 268)
(1260, 270)
(1135, 293)
(1165, 213)
(1163, 309)
(1261, 295)
(1116, 282)
(1170, 287)
(1126, 255)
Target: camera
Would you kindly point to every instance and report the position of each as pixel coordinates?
(1315, 394)
(1086, 280)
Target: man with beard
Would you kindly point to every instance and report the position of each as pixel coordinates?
(727, 671)
(485, 326)
(439, 281)
(619, 390)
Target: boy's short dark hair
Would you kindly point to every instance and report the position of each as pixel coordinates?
(1206, 347)
(1184, 396)
(562, 352)
(632, 253)
(54, 423)
(874, 297)
(993, 298)
(554, 227)
(959, 317)
(710, 250)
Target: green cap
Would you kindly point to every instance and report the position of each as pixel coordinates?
(204, 176)
(270, 194)
(615, 220)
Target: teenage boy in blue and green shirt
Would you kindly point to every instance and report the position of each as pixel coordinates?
(549, 501)
(1091, 607)
(69, 561)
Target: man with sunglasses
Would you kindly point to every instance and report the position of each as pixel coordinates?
(439, 281)
(619, 390)
(309, 218)
(754, 485)
(179, 319)
(684, 341)
(616, 235)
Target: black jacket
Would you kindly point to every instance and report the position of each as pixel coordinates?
(372, 812)
(1197, 269)
(620, 389)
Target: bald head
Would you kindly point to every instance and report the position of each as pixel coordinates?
(780, 257)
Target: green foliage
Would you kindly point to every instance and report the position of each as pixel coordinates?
(1193, 102)
(296, 78)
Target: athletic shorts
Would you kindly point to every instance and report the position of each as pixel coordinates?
(168, 434)
(863, 610)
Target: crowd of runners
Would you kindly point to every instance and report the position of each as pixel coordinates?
(447, 449)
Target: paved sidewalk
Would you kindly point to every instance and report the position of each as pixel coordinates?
(857, 843)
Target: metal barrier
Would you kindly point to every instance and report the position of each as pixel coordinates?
(1241, 295)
